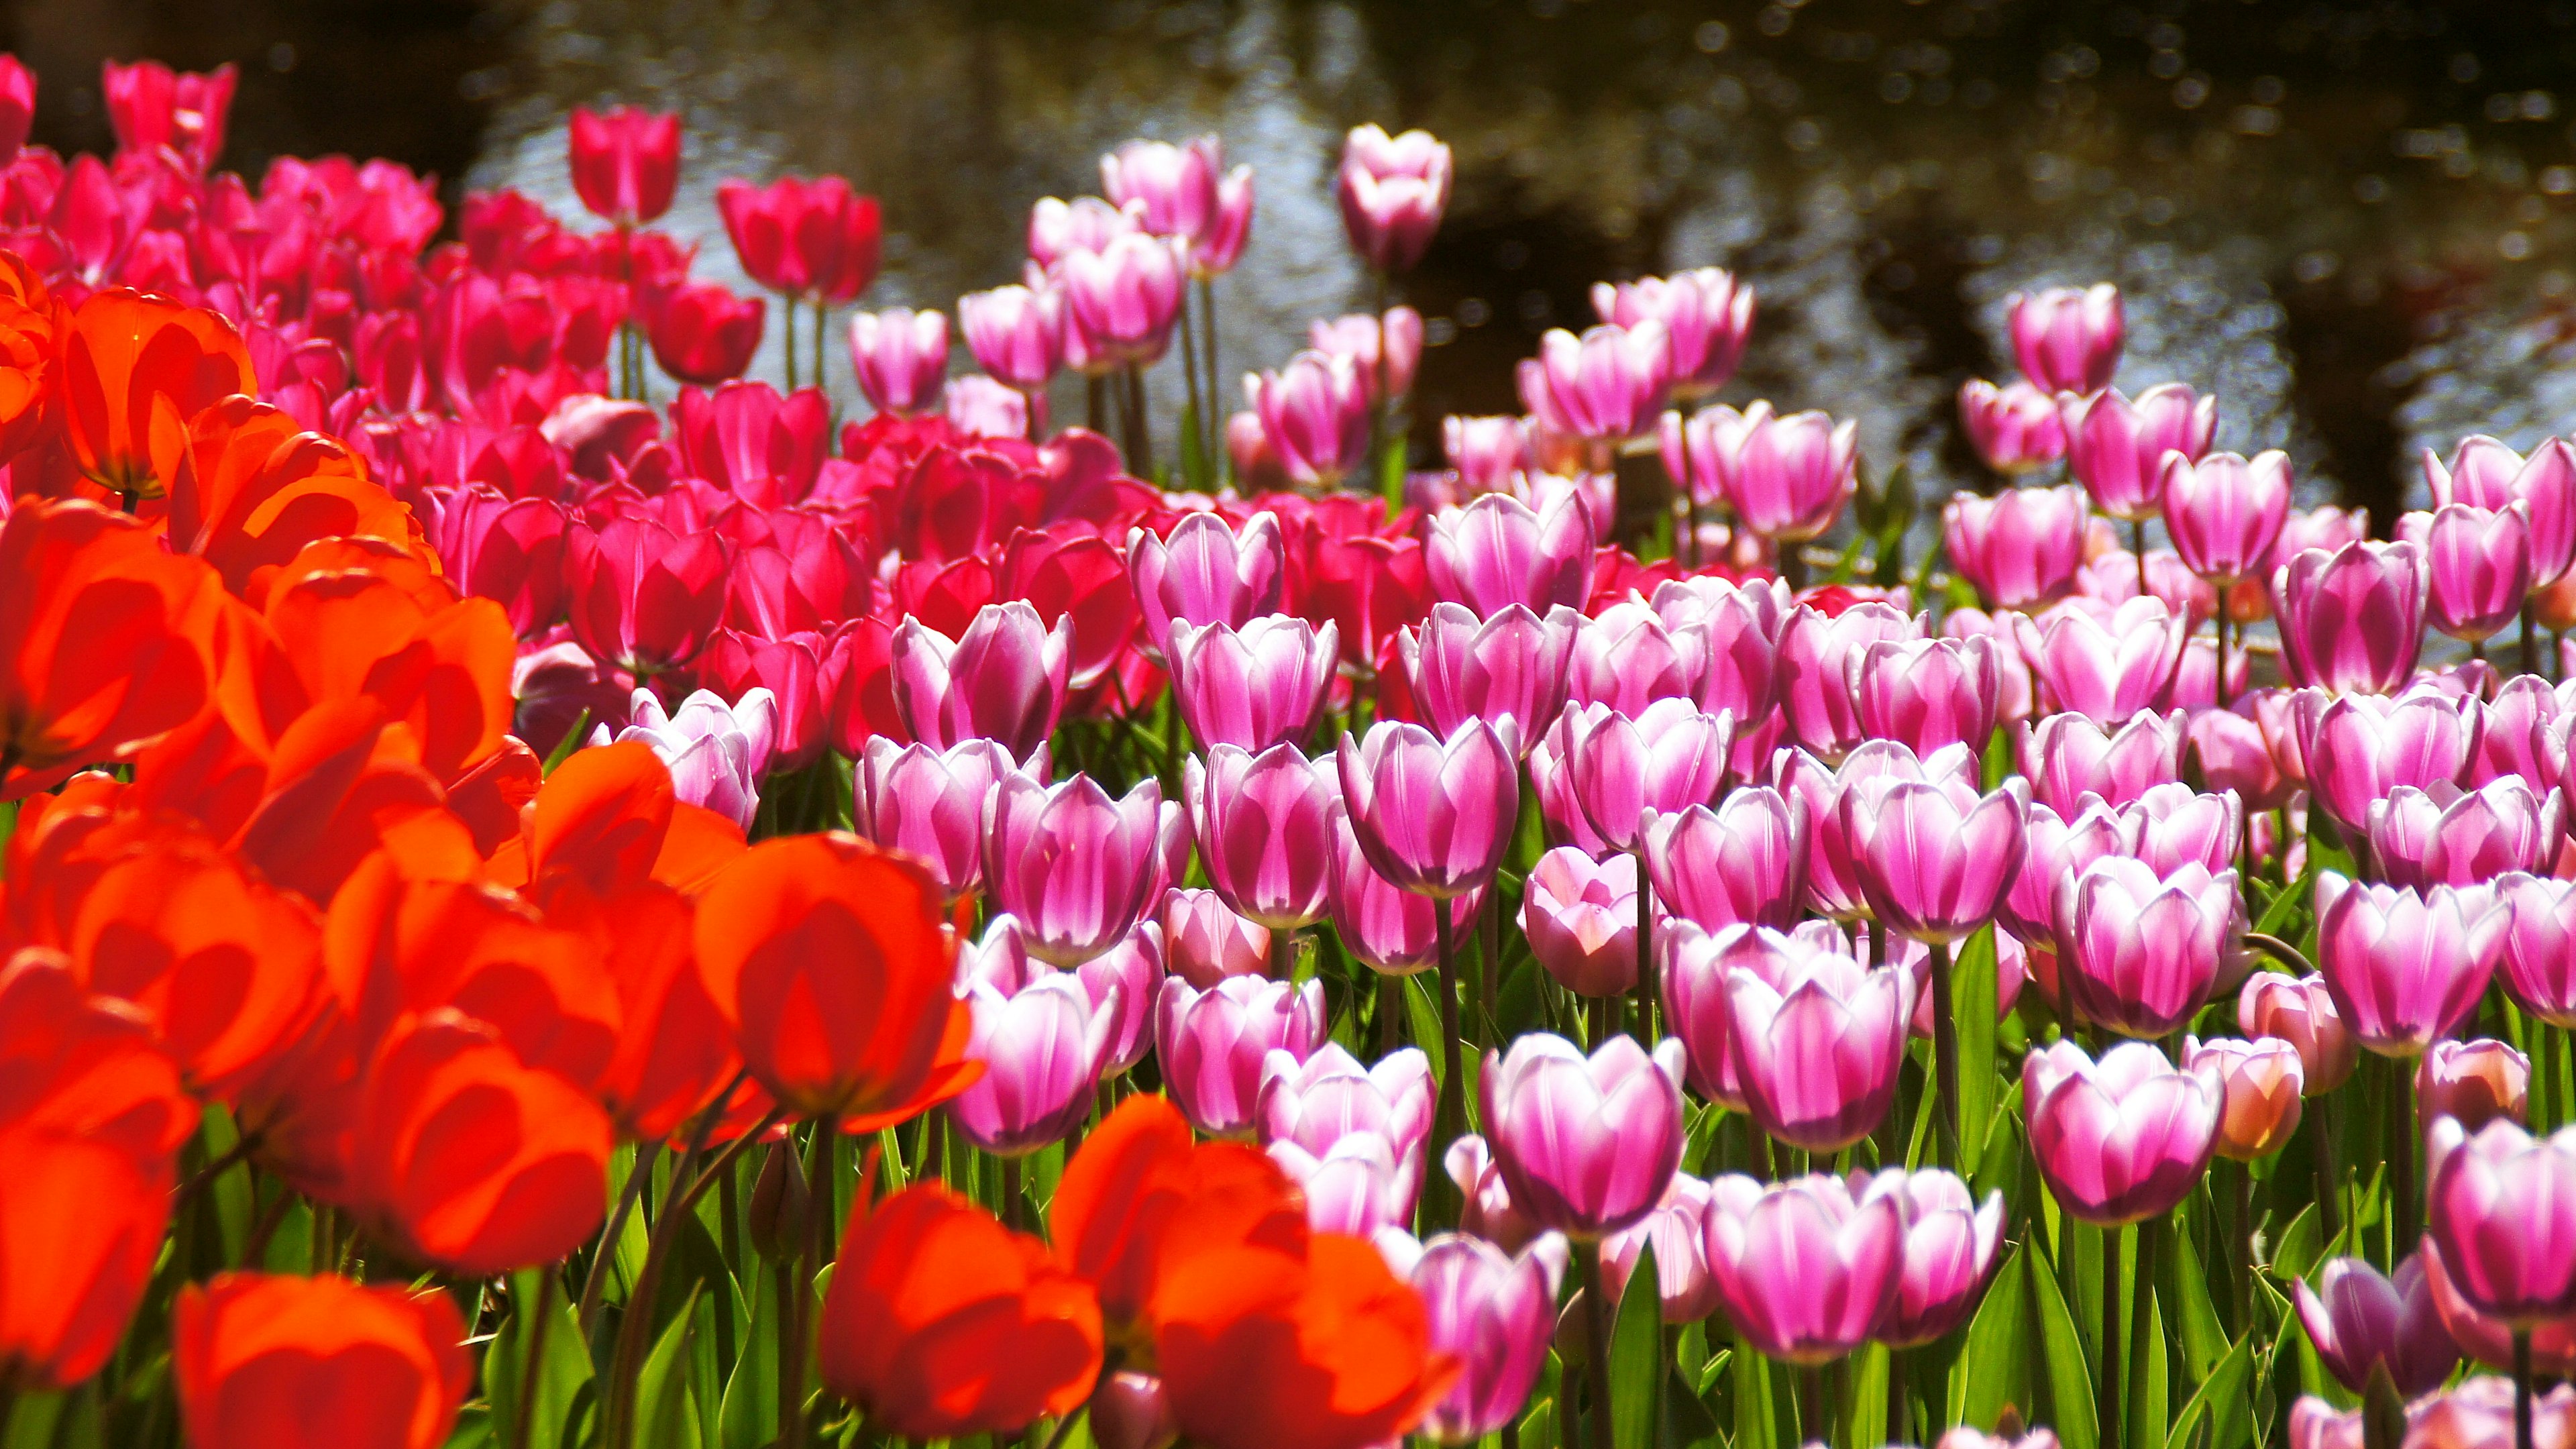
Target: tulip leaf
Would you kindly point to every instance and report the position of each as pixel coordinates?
(29, 1421)
(1972, 999)
(473, 1429)
(750, 1415)
(2182, 1286)
(1994, 1369)
(1521, 1009)
(1390, 474)
(2145, 1383)
(573, 740)
(1637, 1358)
(1422, 1013)
(2221, 1398)
(662, 1389)
(562, 1394)
(1865, 1377)
(2070, 1377)
(2286, 906)
(1761, 1416)
(2299, 1246)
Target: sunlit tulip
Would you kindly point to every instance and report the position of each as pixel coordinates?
(642, 596)
(1204, 941)
(2538, 958)
(2116, 448)
(1927, 693)
(2484, 473)
(1328, 1096)
(2263, 1081)
(815, 238)
(1603, 387)
(1211, 1044)
(1815, 656)
(1432, 815)
(1742, 863)
(2057, 849)
(1044, 1048)
(901, 358)
(2122, 1140)
(272, 1362)
(1004, 679)
(1315, 412)
(1385, 351)
(2498, 1204)
(2019, 548)
(1498, 551)
(1354, 1187)
(625, 162)
(2473, 1082)
(1623, 771)
(2224, 513)
(2067, 339)
(702, 333)
(132, 370)
(1952, 1245)
(1173, 186)
(1817, 1052)
(2351, 620)
(1392, 190)
(717, 753)
(2360, 1320)
(2405, 967)
(1629, 656)
(1121, 301)
(1580, 916)
(1074, 866)
(2446, 836)
(1706, 312)
(2301, 1012)
(2107, 668)
(2067, 756)
(1805, 1272)
(1677, 1231)
(1253, 687)
(1016, 334)
(1786, 477)
(1494, 1310)
(2139, 952)
(1933, 860)
(1384, 926)
(1206, 572)
(1586, 1144)
(1507, 667)
(2358, 749)
(930, 803)
(1264, 829)
(2014, 428)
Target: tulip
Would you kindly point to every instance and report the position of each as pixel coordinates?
(2123, 1140)
(1586, 1145)
(983, 408)
(151, 108)
(2067, 756)
(2019, 548)
(2447, 836)
(2139, 953)
(1786, 477)
(1004, 679)
(2057, 851)
(717, 754)
(1706, 314)
(1581, 920)
(1926, 693)
(1073, 865)
(510, 549)
(2359, 1320)
(2477, 567)
(2263, 1081)
(1263, 823)
(2539, 964)
(1354, 1188)
(1173, 187)
(901, 358)
(941, 1323)
(2067, 339)
(2351, 620)
(1385, 351)
(1087, 223)
(1669, 758)
(2525, 733)
(2482, 1410)
(1130, 1411)
(1211, 1044)
(930, 803)
(1497, 552)
(1806, 1273)
(1742, 863)
(132, 369)
(1044, 1047)
(1933, 859)
(2301, 1012)
(2405, 967)
(703, 334)
(1832, 883)
(2497, 1206)
(265, 1362)
(1510, 667)
(2359, 749)
(1815, 654)
(2108, 669)
(1016, 334)
(1603, 387)
(2484, 473)
(1487, 1212)
(2169, 826)
(1329, 1096)
(625, 162)
(1952, 1244)
(2014, 428)
(1493, 1310)
(1629, 656)
(2486, 1338)
(1392, 191)
(1676, 1231)
(1256, 687)
(1432, 815)
(2473, 1082)
(1214, 251)
(1315, 413)
(86, 1221)
(1121, 301)
(1817, 1052)
(816, 239)
(1207, 941)
(2117, 448)
(1487, 453)
(1387, 928)
(17, 107)
(2225, 513)
(1206, 573)
(2230, 754)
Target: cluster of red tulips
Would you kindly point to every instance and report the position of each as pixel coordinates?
(537, 918)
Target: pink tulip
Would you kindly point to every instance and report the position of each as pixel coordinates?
(2067, 756)
(1058, 228)
(1488, 453)
(1432, 815)
(1786, 477)
(1321, 1099)
(2359, 748)
(2014, 428)
(2477, 566)
(1629, 656)
(982, 408)
(2169, 827)
(1043, 1048)
(1706, 314)
(1204, 941)
(1124, 982)
(1121, 301)
(2479, 1412)
(1494, 1313)
(1074, 865)
(1487, 1212)
(2405, 967)
(1212, 1044)
(1264, 828)
(1355, 1188)
(506, 549)
(2225, 513)
(2139, 952)
(2057, 850)
(2539, 958)
(1392, 190)
(2106, 666)
(717, 753)
(1603, 387)
(2446, 836)
(641, 596)
(2302, 1012)
(2229, 752)
(2019, 548)
(2473, 1083)
(2117, 448)
(2120, 1141)
(1581, 920)
(625, 161)
(1214, 251)
(1173, 187)
(2484, 473)
(1677, 1230)
(901, 358)
(2359, 1320)
(1386, 927)
(18, 107)
(1587, 1145)
(1016, 334)
(1952, 1245)
(1254, 687)
(2501, 1206)
(1740, 626)
(1315, 413)
(1805, 1272)
(1832, 875)
(1497, 552)
(1743, 863)
(2067, 339)
(816, 239)
(1004, 679)
(2262, 1081)
(1207, 572)
(2351, 620)
(1698, 966)
(1669, 758)
(1383, 351)
(1510, 667)
(1815, 656)
(1817, 1053)
(703, 334)
(2525, 734)
(929, 803)
(1927, 693)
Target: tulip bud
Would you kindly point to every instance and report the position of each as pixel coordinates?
(1587, 1144)
(2406, 967)
(2021, 547)
(901, 358)
(2116, 448)
(2067, 339)
(776, 1215)
(2122, 1140)
(1706, 314)
(2351, 620)
(1581, 920)
(2359, 1321)
(1806, 1273)
(2262, 1080)
(1392, 191)
(2484, 473)
(2014, 428)
(2475, 1082)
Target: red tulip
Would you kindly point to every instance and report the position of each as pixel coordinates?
(673, 1053)
(267, 1362)
(703, 333)
(151, 107)
(625, 162)
(17, 106)
(806, 238)
(80, 1228)
(643, 596)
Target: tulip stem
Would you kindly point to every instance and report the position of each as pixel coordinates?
(596, 1279)
(2281, 951)
(2401, 1164)
(2142, 1308)
(2530, 639)
(1390, 1005)
(2138, 546)
(2241, 1182)
(1453, 1080)
(822, 327)
(1489, 974)
(1012, 1216)
(2220, 686)
(1218, 457)
(1596, 1341)
(819, 1202)
(1064, 1426)
(1945, 1054)
(1811, 1395)
(1645, 956)
(787, 335)
(2522, 1388)
(2109, 1413)
(1190, 376)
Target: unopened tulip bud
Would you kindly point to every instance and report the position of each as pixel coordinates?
(2475, 1082)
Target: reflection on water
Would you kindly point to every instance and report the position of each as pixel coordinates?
(2350, 219)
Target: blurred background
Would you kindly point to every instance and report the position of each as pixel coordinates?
(2353, 220)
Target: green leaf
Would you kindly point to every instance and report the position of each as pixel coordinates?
(1422, 1013)
(1637, 1358)
(2182, 1289)
(1195, 473)
(1390, 475)
(1865, 1394)
(2070, 1377)
(1757, 1419)
(1522, 1007)
(662, 1389)
(2286, 906)
(1994, 1369)
(30, 1421)
(2221, 1395)
(750, 1415)
(562, 1393)
(572, 741)
(473, 1429)
(2148, 1391)
(2301, 1243)
(1972, 979)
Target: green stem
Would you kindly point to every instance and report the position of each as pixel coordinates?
(1596, 1362)
(1453, 1081)
(2142, 1307)
(2109, 1410)
(596, 1281)
(822, 336)
(1945, 1053)
(787, 335)
(1645, 955)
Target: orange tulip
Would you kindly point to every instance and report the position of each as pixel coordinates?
(607, 817)
(28, 322)
(136, 371)
(268, 1362)
(826, 958)
(84, 1065)
(467, 1159)
(252, 489)
(940, 1322)
(99, 641)
(80, 1225)
(673, 1053)
(442, 676)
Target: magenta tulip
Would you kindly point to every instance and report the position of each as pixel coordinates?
(2067, 339)
(1677, 1230)
(506, 549)
(625, 161)
(1629, 656)
(1697, 967)
(2484, 473)
(1315, 411)
(1392, 190)
(2169, 827)
(1003, 679)
(1934, 859)
(1786, 477)
(1121, 301)
(1432, 815)
(1603, 387)
(2302, 1012)
(1016, 334)
(2477, 566)
(2014, 428)
(1043, 1048)
(2473, 1083)
(1587, 1145)
(1580, 916)
(2351, 620)
(1074, 865)
(1173, 187)
(2447, 836)
(2225, 513)
(643, 597)
(1510, 667)
(1487, 1212)
(2405, 967)
(1815, 655)
(2107, 666)
(2019, 548)
(2139, 953)
(1494, 1313)
(1817, 1053)
(1805, 1272)
(1264, 828)
(1125, 982)
(1706, 314)
(1952, 1244)
(1384, 351)
(2501, 1206)
(2539, 956)
(1355, 1187)
(1927, 693)
(901, 358)
(2230, 753)
(1204, 941)
(2361, 747)
(1669, 758)
(1743, 863)
(1206, 572)
(1386, 927)
(2359, 1320)
(1212, 1043)
(2068, 756)
(2525, 734)
(1497, 552)
(1739, 626)
(1327, 1097)
(1832, 879)
(1253, 687)
(930, 803)
(2056, 851)
(2123, 1140)
(701, 333)
(2116, 448)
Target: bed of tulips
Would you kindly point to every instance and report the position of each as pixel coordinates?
(538, 917)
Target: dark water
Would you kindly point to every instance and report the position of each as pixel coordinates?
(2352, 220)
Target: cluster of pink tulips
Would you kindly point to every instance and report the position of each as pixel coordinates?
(2071, 990)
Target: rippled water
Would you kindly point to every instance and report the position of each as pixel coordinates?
(2352, 220)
